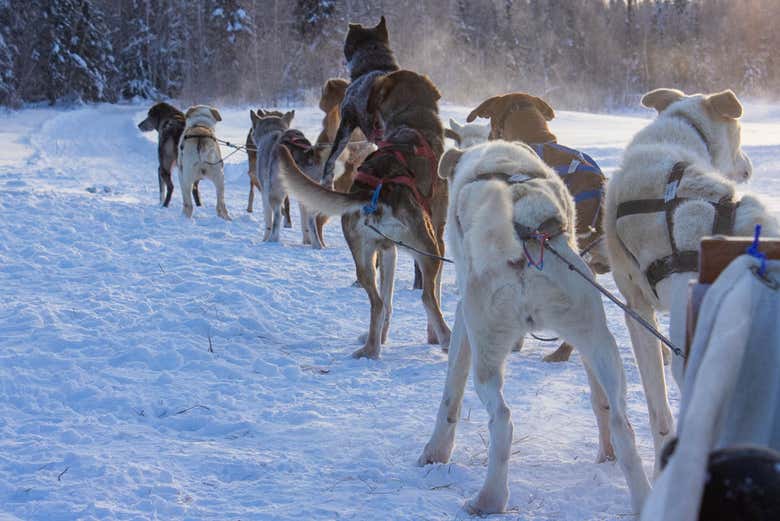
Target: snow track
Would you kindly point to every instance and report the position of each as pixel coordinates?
(154, 367)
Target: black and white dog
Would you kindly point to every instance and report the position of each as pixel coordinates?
(368, 57)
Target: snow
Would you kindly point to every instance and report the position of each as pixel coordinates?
(154, 367)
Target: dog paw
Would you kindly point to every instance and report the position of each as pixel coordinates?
(486, 503)
(605, 454)
(561, 354)
(434, 454)
(367, 352)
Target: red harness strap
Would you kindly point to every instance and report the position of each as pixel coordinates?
(421, 149)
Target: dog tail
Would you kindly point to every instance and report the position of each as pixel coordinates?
(311, 194)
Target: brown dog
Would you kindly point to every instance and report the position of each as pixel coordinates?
(522, 117)
(397, 192)
(357, 149)
(251, 153)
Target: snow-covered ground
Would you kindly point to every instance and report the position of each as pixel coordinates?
(154, 367)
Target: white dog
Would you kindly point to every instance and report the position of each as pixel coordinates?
(500, 193)
(200, 157)
(677, 176)
(469, 134)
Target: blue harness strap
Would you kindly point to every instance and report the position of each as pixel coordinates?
(589, 194)
(371, 207)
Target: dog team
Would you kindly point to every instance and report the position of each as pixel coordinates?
(505, 190)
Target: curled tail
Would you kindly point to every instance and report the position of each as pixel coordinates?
(312, 195)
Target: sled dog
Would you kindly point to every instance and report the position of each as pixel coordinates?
(369, 57)
(502, 195)
(675, 184)
(251, 154)
(168, 121)
(200, 157)
(396, 191)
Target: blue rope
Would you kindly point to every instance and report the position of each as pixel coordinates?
(755, 252)
(371, 207)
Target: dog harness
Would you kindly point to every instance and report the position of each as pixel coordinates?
(399, 151)
(686, 260)
(583, 178)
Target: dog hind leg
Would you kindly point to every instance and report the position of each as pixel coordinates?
(196, 193)
(561, 354)
(219, 182)
(168, 181)
(364, 255)
(437, 329)
(607, 378)
(647, 351)
(387, 261)
(286, 211)
(491, 346)
(439, 447)
(250, 204)
(186, 194)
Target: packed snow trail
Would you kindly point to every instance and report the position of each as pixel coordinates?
(154, 367)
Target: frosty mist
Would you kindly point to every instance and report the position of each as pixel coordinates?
(586, 54)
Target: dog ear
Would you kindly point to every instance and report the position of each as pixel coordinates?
(215, 113)
(544, 108)
(454, 125)
(381, 29)
(486, 109)
(189, 112)
(354, 25)
(659, 99)
(448, 132)
(254, 117)
(448, 162)
(726, 104)
(288, 117)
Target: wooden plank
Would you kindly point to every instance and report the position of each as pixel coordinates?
(715, 253)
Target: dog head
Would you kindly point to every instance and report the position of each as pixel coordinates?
(360, 37)
(332, 94)
(264, 122)
(399, 90)
(516, 117)
(202, 115)
(715, 117)
(158, 114)
(469, 134)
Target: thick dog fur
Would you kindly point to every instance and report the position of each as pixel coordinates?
(267, 131)
(357, 149)
(200, 157)
(467, 135)
(503, 297)
(522, 117)
(404, 101)
(635, 241)
(369, 57)
(168, 121)
(252, 172)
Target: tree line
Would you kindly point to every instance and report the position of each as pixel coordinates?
(585, 54)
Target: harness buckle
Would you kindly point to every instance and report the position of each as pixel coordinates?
(671, 191)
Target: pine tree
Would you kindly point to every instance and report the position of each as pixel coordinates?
(8, 94)
(76, 55)
(135, 69)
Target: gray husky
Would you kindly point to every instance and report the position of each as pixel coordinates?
(267, 133)
(368, 57)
